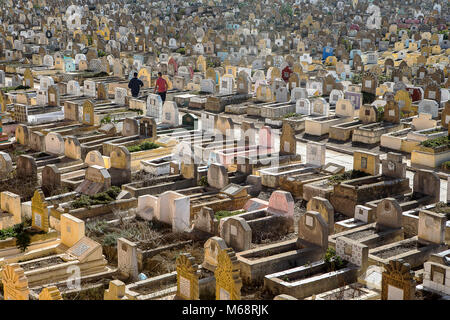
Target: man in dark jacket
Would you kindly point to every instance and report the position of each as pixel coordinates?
(135, 85)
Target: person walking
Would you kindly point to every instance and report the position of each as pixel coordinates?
(161, 86)
(135, 85)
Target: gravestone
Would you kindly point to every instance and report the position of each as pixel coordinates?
(170, 113)
(127, 258)
(39, 212)
(429, 106)
(115, 291)
(326, 210)
(15, 283)
(187, 277)
(389, 214)
(431, 227)
(217, 176)
(50, 293)
(427, 182)
(393, 166)
(212, 247)
(367, 162)
(288, 143)
(315, 154)
(313, 230)
(227, 274)
(130, 127)
(26, 167)
(6, 164)
(236, 232)
(397, 281)
(281, 203)
(51, 179)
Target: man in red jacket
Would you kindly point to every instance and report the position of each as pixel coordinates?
(161, 86)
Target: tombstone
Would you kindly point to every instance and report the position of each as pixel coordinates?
(335, 96)
(429, 106)
(208, 86)
(120, 95)
(89, 88)
(368, 114)
(54, 143)
(115, 291)
(326, 210)
(170, 113)
(127, 258)
(72, 230)
(313, 230)
(130, 127)
(147, 127)
(226, 85)
(236, 232)
(187, 277)
(397, 282)
(393, 166)
(6, 164)
(50, 293)
(154, 107)
(315, 154)
(288, 143)
(227, 274)
(431, 227)
(366, 162)
(217, 176)
(320, 107)
(39, 212)
(51, 179)
(120, 170)
(15, 283)
(427, 182)
(389, 214)
(97, 179)
(303, 106)
(73, 88)
(212, 247)
(26, 167)
(243, 83)
(391, 112)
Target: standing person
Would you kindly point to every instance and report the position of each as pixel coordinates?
(161, 86)
(135, 85)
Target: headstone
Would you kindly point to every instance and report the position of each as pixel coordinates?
(227, 274)
(15, 283)
(398, 281)
(187, 277)
(127, 258)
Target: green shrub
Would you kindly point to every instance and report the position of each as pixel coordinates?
(100, 198)
(105, 120)
(446, 165)
(203, 181)
(436, 142)
(181, 51)
(333, 261)
(143, 146)
(225, 213)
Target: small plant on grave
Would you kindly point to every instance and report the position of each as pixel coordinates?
(23, 237)
(203, 181)
(105, 120)
(225, 213)
(436, 142)
(333, 261)
(380, 114)
(181, 51)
